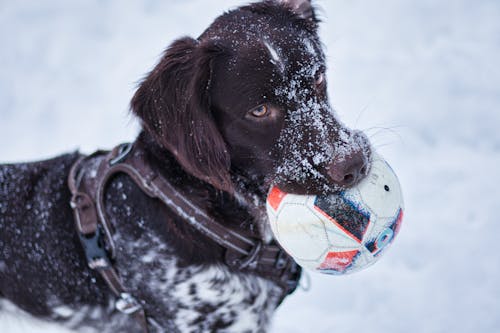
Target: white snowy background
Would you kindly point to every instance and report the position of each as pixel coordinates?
(423, 77)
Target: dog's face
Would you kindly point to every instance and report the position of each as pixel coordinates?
(249, 98)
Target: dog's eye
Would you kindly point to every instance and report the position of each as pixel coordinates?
(260, 111)
(320, 79)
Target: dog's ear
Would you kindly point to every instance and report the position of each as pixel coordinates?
(173, 104)
(302, 8)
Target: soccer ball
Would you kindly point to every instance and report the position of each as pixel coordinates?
(341, 233)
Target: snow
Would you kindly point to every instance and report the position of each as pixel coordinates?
(421, 77)
(275, 55)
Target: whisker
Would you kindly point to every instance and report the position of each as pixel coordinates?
(381, 130)
(362, 112)
(382, 145)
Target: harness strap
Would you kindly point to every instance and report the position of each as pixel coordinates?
(90, 234)
(243, 252)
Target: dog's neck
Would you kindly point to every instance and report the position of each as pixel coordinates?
(248, 197)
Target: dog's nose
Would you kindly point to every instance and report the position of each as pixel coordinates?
(348, 169)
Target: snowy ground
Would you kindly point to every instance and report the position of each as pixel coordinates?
(422, 76)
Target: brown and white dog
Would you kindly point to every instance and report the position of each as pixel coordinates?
(224, 116)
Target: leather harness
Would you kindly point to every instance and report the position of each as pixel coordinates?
(88, 179)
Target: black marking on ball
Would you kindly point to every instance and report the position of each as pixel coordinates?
(345, 213)
(386, 187)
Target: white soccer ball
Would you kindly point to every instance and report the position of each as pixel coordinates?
(344, 233)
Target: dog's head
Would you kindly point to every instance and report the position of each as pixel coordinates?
(249, 97)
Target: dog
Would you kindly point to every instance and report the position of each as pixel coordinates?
(224, 117)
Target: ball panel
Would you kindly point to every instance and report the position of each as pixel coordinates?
(298, 229)
(338, 239)
(338, 262)
(382, 238)
(275, 198)
(380, 191)
(362, 261)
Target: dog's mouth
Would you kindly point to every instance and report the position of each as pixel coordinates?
(328, 164)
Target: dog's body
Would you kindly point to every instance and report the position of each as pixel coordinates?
(223, 117)
(44, 269)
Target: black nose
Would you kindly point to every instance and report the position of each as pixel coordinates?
(349, 169)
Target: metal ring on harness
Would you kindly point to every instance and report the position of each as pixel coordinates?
(123, 151)
(251, 260)
(127, 304)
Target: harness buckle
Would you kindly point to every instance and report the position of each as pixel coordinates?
(95, 252)
(127, 304)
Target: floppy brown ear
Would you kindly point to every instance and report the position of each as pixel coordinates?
(173, 104)
(302, 8)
